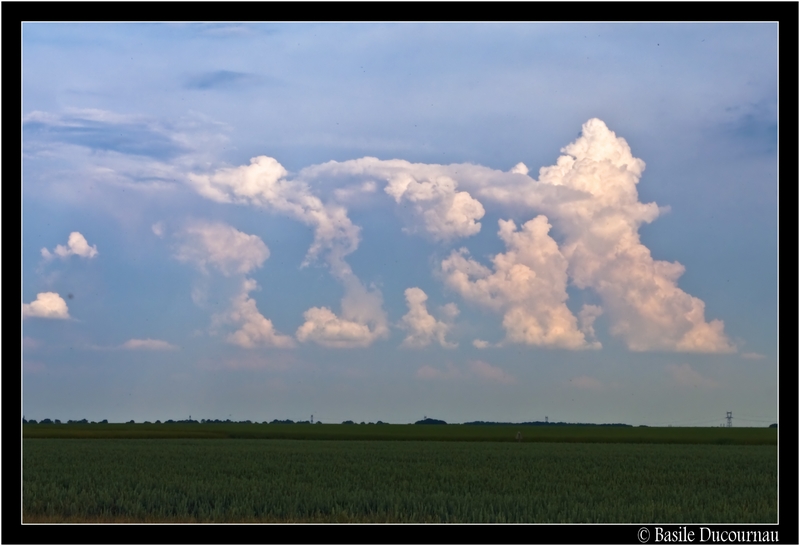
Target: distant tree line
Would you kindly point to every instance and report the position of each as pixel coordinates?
(426, 421)
(549, 424)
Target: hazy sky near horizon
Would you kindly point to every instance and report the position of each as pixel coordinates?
(389, 221)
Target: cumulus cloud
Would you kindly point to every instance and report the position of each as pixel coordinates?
(640, 295)
(255, 330)
(148, 345)
(588, 197)
(223, 246)
(686, 376)
(47, 305)
(445, 212)
(361, 323)
(528, 285)
(76, 246)
(264, 183)
(422, 327)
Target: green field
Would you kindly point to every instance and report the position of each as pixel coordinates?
(460, 433)
(240, 480)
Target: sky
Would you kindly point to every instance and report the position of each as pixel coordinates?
(468, 222)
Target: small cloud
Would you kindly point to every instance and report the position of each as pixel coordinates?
(76, 246)
(688, 377)
(255, 329)
(587, 316)
(47, 305)
(753, 356)
(147, 345)
(421, 326)
(586, 382)
(481, 344)
(485, 370)
(519, 168)
(322, 326)
(158, 229)
(30, 343)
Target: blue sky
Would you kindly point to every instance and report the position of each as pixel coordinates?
(385, 221)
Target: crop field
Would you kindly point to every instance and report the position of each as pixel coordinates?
(460, 433)
(280, 480)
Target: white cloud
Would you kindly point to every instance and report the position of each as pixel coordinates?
(589, 196)
(686, 376)
(362, 322)
(255, 330)
(76, 246)
(422, 327)
(481, 344)
(640, 295)
(322, 326)
(753, 356)
(223, 246)
(158, 229)
(47, 305)
(263, 183)
(445, 212)
(528, 285)
(148, 345)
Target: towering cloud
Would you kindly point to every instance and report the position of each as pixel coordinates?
(47, 305)
(223, 246)
(528, 285)
(76, 246)
(422, 327)
(640, 295)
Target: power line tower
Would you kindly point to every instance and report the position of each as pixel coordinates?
(729, 418)
(546, 419)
